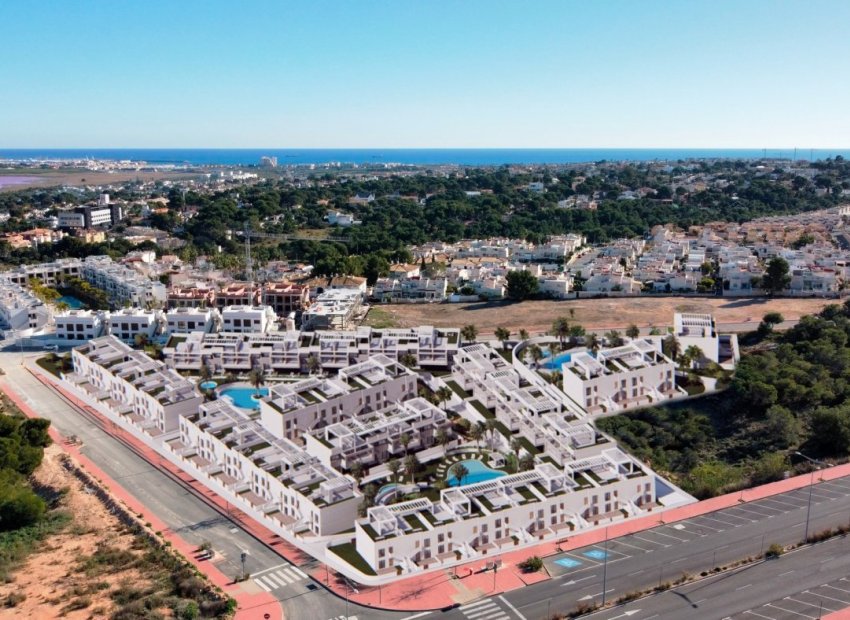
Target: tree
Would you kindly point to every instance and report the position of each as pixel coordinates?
(521, 285)
(477, 432)
(442, 438)
(536, 353)
(693, 354)
(502, 335)
(633, 331)
(205, 372)
(671, 347)
(408, 360)
(776, 278)
(592, 341)
(394, 466)
(257, 378)
(492, 426)
(561, 329)
(411, 465)
(469, 333)
(516, 446)
(526, 462)
(356, 469)
(444, 394)
(614, 338)
(523, 334)
(459, 472)
(405, 440)
(576, 332)
(313, 363)
(772, 319)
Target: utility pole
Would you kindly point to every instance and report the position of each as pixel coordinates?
(811, 489)
(605, 569)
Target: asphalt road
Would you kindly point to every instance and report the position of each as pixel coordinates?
(186, 514)
(804, 584)
(663, 554)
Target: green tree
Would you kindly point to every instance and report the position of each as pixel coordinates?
(632, 331)
(561, 329)
(257, 378)
(469, 333)
(459, 472)
(502, 335)
(394, 467)
(671, 347)
(411, 466)
(776, 278)
(444, 394)
(614, 338)
(521, 285)
(476, 433)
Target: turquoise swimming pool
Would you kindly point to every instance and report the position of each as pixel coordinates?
(208, 385)
(244, 396)
(554, 363)
(478, 472)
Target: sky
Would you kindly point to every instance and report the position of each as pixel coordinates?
(424, 74)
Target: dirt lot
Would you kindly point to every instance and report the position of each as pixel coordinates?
(52, 178)
(85, 570)
(537, 316)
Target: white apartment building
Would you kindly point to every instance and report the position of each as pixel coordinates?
(390, 290)
(294, 408)
(127, 323)
(333, 309)
(272, 478)
(621, 378)
(700, 330)
(289, 351)
(248, 319)
(50, 274)
(20, 310)
(138, 389)
(186, 320)
(80, 325)
(122, 284)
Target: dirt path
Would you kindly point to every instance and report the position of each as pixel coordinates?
(537, 316)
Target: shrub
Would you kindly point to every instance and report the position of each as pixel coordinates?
(14, 599)
(531, 565)
(774, 551)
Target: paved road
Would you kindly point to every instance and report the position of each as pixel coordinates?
(662, 554)
(186, 514)
(802, 585)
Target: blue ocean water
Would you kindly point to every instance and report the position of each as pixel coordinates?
(469, 157)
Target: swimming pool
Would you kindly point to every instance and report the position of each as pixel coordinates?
(208, 385)
(73, 302)
(244, 396)
(478, 472)
(385, 492)
(554, 363)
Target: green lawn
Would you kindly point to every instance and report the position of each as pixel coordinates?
(348, 552)
(379, 318)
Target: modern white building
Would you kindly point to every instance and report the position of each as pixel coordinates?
(186, 320)
(123, 285)
(333, 309)
(127, 323)
(700, 330)
(80, 325)
(248, 319)
(20, 310)
(633, 375)
(391, 290)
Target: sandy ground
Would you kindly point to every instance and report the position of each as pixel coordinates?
(53, 178)
(51, 578)
(537, 316)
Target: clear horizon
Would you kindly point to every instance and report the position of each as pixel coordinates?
(473, 75)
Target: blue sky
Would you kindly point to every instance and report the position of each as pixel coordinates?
(396, 73)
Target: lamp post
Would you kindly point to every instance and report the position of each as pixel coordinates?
(811, 489)
(605, 569)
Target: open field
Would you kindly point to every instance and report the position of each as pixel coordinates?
(607, 313)
(95, 566)
(51, 178)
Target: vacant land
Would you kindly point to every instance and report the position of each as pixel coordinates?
(52, 178)
(537, 316)
(95, 566)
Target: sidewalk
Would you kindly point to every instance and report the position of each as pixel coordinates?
(252, 602)
(464, 583)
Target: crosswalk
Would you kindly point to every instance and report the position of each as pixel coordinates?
(280, 577)
(484, 610)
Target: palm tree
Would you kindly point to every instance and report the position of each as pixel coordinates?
(536, 353)
(477, 433)
(313, 364)
(411, 464)
(444, 394)
(257, 377)
(572, 313)
(526, 462)
(576, 332)
(671, 347)
(357, 471)
(405, 440)
(442, 437)
(491, 425)
(394, 466)
(561, 329)
(205, 372)
(523, 334)
(615, 339)
(469, 333)
(516, 446)
(502, 335)
(459, 472)
(592, 341)
(553, 349)
(62, 306)
(633, 331)
(408, 360)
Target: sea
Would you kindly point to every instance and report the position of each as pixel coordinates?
(425, 157)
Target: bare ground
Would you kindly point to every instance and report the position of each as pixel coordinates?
(607, 313)
(53, 579)
(79, 178)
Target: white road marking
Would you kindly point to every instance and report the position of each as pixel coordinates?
(512, 608)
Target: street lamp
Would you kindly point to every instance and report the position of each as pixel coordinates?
(811, 489)
(243, 556)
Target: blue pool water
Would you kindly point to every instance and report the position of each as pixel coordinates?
(595, 554)
(554, 363)
(244, 396)
(384, 492)
(73, 302)
(568, 562)
(478, 472)
(208, 385)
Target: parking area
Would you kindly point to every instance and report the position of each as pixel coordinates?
(807, 604)
(669, 535)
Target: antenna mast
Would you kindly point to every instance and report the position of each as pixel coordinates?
(249, 263)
